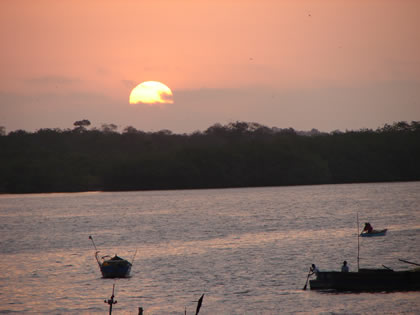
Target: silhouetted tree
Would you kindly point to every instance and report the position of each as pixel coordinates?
(109, 128)
(130, 129)
(81, 124)
(239, 154)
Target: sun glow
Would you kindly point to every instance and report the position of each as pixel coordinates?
(151, 93)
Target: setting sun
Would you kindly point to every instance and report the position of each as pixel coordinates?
(152, 93)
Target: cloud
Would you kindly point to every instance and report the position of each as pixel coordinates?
(130, 84)
(166, 97)
(327, 108)
(52, 80)
(28, 112)
(101, 71)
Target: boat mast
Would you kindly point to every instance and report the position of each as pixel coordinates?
(358, 245)
(96, 251)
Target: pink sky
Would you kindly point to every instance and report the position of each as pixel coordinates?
(325, 64)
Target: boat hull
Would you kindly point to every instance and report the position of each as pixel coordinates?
(120, 269)
(367, 280)
(374, 233)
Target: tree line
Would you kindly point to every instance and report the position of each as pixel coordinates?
(238, 154)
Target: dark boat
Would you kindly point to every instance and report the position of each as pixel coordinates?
(367, 280)
(112, 267)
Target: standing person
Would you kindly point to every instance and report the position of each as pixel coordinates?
(345, 267)
(368, 228)
(314, 270)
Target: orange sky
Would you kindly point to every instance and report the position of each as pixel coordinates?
(325, 64)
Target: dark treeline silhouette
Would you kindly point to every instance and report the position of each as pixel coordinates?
(238, 154)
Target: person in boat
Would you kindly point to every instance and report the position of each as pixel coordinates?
(314, 270)
(368, 228)
(344, 267)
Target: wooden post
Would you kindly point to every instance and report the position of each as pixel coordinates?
(111, 300)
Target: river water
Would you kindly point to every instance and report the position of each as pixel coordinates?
(248, 250)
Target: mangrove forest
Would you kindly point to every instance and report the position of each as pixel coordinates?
(238, 154)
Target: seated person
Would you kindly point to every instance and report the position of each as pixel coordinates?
(345, 267)
(368, 228)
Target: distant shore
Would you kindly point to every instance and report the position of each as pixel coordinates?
(236, 155)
